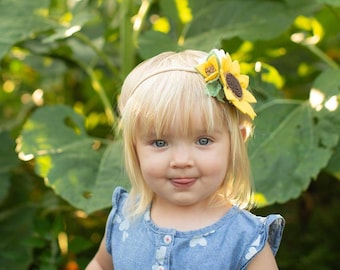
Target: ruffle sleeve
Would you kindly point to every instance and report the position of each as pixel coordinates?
(118, 199)
(268, 229)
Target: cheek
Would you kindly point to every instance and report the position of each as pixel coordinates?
(218, 164)
(151, 167)
(220, 168)
(144, 165)
(214, 165)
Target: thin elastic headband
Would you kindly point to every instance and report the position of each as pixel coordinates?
(191, 70)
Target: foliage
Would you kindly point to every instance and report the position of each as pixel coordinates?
(62, 64)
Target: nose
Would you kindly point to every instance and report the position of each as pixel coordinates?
(181, 157)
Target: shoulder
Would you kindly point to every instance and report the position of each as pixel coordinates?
(253, 232)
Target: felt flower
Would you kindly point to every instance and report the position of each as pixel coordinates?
(210, 68)
(221, 73)
(235, 86)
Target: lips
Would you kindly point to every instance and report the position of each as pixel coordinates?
(183, 182)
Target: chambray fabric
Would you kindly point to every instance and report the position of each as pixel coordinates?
(230, 243)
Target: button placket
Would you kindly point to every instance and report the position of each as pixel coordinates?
(163, 251)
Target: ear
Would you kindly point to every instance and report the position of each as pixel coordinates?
(244, 132)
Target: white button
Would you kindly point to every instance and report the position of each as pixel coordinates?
(167, 239)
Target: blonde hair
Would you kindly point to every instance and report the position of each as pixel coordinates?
(154, 96)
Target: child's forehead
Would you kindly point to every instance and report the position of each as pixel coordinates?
(179, 126)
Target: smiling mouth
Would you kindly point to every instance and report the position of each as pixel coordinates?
(183, 182)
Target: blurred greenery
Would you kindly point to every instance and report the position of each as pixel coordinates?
(62, 63)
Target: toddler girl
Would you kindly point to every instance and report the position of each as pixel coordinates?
(185, 119)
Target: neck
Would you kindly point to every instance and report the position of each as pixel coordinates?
(189, 217)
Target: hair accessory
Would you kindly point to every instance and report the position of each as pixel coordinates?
(191, 70)
(221, 73)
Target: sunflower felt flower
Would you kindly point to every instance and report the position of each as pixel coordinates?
(235, 86)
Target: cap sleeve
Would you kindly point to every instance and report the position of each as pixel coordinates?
(273, 227)
(119, 196)
(269, 229)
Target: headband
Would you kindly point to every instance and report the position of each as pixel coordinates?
(192, 70)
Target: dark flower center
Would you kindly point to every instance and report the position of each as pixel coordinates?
(234, 85)
(210, 70)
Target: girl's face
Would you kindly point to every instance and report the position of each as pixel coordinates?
(184, 169)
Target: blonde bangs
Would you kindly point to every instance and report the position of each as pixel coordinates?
(175, 107)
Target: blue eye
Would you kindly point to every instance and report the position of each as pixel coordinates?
(159, 143)
(203, 141)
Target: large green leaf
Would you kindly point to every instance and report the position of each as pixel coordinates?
(247, 19)
(81, 169)
(293, 142)
(333, 166)
(330, 2)
(329, 121)
(19, 20)
(216, 20)
(284, 153)
(16, 225)
(152, 43)
(8, 161)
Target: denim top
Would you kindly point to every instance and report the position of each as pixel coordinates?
(230, 243)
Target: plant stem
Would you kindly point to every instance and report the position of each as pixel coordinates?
(140, 17)
(97, 86)
(127, 48)
(319, 53)
(100, 53)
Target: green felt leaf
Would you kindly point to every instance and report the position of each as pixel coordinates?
(214, 88)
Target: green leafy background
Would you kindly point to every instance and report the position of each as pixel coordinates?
(62, 64)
